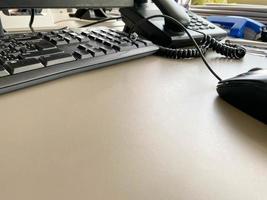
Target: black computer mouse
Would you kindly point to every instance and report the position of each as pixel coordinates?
(247, 92)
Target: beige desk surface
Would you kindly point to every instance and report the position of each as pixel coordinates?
(152, 128)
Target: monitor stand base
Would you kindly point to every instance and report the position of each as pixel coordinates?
(90, 14)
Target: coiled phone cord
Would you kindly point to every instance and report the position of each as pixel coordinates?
(227, 50)
(208, 42)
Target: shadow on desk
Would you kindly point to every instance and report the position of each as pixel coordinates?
(242, 124)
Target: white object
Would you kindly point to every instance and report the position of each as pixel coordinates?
(21, 23)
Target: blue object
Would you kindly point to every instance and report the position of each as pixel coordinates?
(238, 25)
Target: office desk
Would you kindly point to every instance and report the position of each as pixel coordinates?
(151, 128)
(146, 129)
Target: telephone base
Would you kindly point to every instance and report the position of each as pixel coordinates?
(154, 29)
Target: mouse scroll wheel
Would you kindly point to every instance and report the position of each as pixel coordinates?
(255, 69)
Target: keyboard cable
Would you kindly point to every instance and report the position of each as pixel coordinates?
(32, 19)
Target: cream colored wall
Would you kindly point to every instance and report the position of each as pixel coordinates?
(264, 2)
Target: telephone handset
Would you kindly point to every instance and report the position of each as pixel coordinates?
(174, 10)
(171, 38)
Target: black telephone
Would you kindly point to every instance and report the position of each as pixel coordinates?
(170, 37)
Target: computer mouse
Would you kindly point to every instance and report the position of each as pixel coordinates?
(247, 92)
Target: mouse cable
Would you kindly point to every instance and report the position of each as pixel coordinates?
(200, 50)
(101, 21)
(32, 19)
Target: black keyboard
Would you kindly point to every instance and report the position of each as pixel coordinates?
(31, 58)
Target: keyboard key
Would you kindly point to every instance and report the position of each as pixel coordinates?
(58, 41)
(85, 33)
(124, 47)
(82, 38)
(62, 35)
(95, 52)
(96, 32)
(49, 37)
(90, 49)
(82, 47)
(80, 54)
(38, 54)
(139, 44)
(107, 50)
(19, 66)
(126, 39)
(66, 31)
(71, 40)
(27, 38)
(3, 72)
(56, 59)
(28, 49)
(41, 34)
(54, 32)
(92, 36)
(73, 34)
(109, 43)
(100, 39)
(6, 58)
(15, 54)
(2, 60)
(44, 45)
(119, 33)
